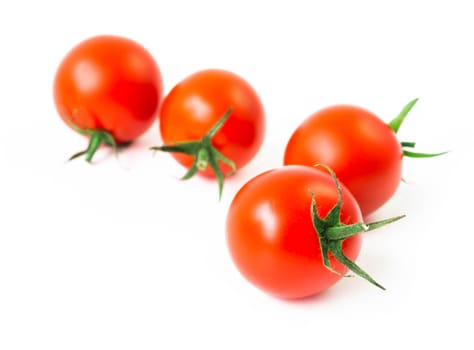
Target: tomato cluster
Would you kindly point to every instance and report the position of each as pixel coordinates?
(292, 231)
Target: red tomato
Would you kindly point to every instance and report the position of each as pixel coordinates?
(271, 236)
(198, 102)
(110, 85)
(361, 149)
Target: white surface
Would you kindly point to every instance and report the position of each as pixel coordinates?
(123, 255)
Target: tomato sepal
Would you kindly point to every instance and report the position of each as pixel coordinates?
(408, 153)
(331, 232)
(395, 125)
(343, 231)
(204, 153)
(397, 122)
(96, 139)
(411, 154)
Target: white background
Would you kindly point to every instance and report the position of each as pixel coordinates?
(124, 255)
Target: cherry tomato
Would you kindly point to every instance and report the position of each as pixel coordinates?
(272, 238)
(196, 106)
(108, 88)
(361, 149)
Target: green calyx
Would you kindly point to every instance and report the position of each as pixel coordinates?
(395, 125)
(204, 153)
(331, 232)
(96, 138)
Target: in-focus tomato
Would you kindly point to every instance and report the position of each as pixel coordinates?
(221, 105)
(361, 149)
(108, 88)
(288, 244)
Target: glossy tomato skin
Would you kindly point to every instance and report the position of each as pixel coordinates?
(195, 104)
(271, 237)
(361, 149)
(110, 83)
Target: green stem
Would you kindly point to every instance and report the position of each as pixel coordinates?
(202, 159)
(331, 232)
(408, 144)
(204, 153)
(411, 154)
(396, 123)
(96, 139)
